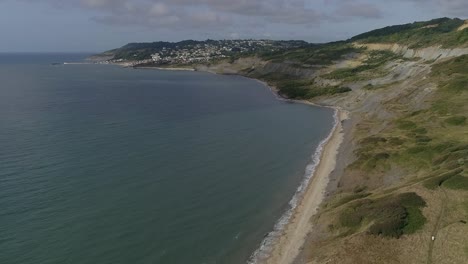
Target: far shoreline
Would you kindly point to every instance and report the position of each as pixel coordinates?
(164, 68)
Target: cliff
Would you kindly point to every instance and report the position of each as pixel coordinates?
(399, 190)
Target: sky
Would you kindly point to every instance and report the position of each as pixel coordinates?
(99, 25)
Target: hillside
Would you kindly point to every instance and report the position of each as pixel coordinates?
(440, 32)
(401, 176)
(175, 52)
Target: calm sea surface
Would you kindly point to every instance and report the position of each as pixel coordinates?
(106, 165)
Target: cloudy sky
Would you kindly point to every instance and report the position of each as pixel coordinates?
(97, 25)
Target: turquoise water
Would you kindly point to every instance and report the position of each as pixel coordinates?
(101, 164)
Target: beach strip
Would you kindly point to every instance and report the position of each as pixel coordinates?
(288, 245)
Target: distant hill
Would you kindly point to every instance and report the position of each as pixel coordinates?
(445, 32)
(441, 31)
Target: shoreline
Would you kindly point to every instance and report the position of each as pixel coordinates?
(284, 243)
(164, 69)
(289, 244)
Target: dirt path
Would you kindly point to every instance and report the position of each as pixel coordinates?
(437, 226)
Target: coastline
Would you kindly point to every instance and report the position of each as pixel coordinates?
(284, 243)
(295, 233)
(165, 69)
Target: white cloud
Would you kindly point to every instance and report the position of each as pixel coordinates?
(159, 9)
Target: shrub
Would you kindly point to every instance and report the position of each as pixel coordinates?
(382, 156)
(406, 125)
(420, 130)
(457, 84)
(373, 161)
(417, 149)
(456, 120)
(392, 216)
(423, 139)
(390, 227)
(457, 182)
(415, 220)
(439, 180)
(396, 141)
(373, 140)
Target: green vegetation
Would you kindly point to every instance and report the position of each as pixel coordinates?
(351, 197)
(435, 182)
(375, 60)
(458, 84)
(453, 66)
(412, 147)
(424, 141)
(420, 130)
(456, 120)
(372, 87)
(415, 220)
(442, 31)
(324, 54)
(294, 88)
(457, 182)
(452, 75)
(407, 125)
(390, 216)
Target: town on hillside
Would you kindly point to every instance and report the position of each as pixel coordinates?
(188, 52)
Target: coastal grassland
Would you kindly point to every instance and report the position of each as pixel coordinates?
(408, 176)
(457, 182)
(388, 216)
(289, 79)
(370, 67)
(372, 87)
(427, 140)
(442, 31)
(301, 89)
(324, 54)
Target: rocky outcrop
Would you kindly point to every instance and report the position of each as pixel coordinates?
(462, 27)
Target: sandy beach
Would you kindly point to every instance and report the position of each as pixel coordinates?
(289, 243)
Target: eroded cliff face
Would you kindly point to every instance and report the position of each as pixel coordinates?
(256, 66)
(429, 53)
(395, 138)
(399, 127)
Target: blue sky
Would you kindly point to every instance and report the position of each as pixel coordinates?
(98, 25)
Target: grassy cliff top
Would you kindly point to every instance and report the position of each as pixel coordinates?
(442, 31)
(445, 32)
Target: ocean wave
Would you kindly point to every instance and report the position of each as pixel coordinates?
(266, 247)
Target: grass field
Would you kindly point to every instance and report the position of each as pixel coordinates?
(412, 173)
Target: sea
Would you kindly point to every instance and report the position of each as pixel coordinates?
(101, 164)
